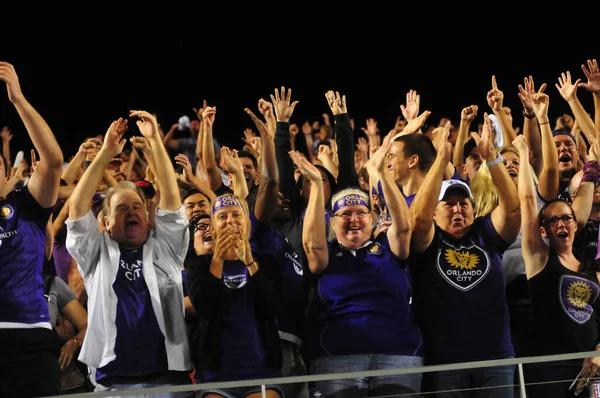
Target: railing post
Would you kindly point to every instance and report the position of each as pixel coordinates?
(522, 381)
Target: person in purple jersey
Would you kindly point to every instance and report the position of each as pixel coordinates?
(564, 289)
(236, 305)
(136, 330)
(456, 264)
(27, 342)
(360, 317)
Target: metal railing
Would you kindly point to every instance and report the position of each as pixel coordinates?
(519, 362)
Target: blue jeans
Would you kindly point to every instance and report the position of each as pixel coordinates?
(366, 386)
(293, 365)
(472, 383)
(161, 381)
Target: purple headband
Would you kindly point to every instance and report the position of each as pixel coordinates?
(224, 201)
(350, 200)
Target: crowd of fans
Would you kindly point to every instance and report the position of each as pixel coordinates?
(311, 248)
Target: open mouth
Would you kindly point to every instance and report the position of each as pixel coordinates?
(512, 173)
(562, 234)
(564, 158)
(132, 223)
(208, 237)
(354, 228)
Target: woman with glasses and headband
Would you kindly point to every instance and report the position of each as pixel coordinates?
(360, 318)
(564, 290)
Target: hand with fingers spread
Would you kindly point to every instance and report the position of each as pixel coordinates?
(337, 103)
(6, 134)
(567, 88)
(371, 129)
(247, 138)
(283, 104)
(526, 94)
(411, 110)
(592, 73)
(113, 139)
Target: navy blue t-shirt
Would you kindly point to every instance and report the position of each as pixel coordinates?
(363, 304)
(459, 296)
(277, 253)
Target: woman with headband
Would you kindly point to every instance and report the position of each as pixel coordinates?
(236, 305)
(360, 317)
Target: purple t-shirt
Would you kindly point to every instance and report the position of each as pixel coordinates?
(139, 345)
(22, 241)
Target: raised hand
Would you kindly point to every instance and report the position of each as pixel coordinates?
(565, 87)
(306, 128)
(525, 94)
(484, 142)
(521, 144)
(371, 129)
(199, 111)
(337, 103)
(140, 143)
(593, 75)
(495, 97)
(147, 124)
(306, 168)
(415, 125)
(294, 130)
(230, 160)
(283, 105)
(9, 76)
(540, 103)
(208, 115)
(6, 134)
(469, 113)
(378, 158)
(113, 139)
(363, 145)
(411, 110)
(184, 162)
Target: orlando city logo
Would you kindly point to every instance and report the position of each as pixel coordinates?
(462, 267)
(577, 296)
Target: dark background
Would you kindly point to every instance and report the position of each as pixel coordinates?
(81, 88)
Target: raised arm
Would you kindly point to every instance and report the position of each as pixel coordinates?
(314, 239)
(467, 115)
(495, 99)
(592, 72)
(548, 178)
(344, 138)
(213, 174)
(399, 232)
(506, 216)
(234, 167)
(268, 188)
(535, 251)
(568, 90)
(6, 136)
(426, 199)
(45, 181)
(170, 199)
(86, 187)
(531, 130)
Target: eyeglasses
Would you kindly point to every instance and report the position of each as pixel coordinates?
(346, 215)
(202, 226)
(566, 218)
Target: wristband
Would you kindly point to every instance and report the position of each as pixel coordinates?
(77, 341)
(247, 265)
(528, 115)
(541, 124)
(494, 162)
